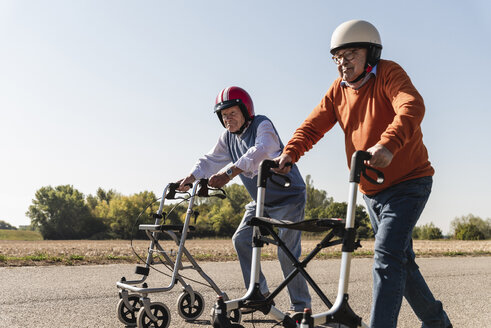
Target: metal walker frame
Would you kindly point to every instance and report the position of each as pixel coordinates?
(136, 309)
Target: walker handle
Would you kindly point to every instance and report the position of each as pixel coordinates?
(266, 173)
(171, 193)
(359, 167)
(204, 189)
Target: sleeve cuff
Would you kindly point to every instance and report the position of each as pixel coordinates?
(293, 154)
(392, 146)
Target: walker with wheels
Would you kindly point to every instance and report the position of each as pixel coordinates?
(135, 307)
(338, 232)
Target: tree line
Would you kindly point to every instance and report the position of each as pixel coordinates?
(62, 212)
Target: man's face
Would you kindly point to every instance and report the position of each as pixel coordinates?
(351, 62)
(233, 118)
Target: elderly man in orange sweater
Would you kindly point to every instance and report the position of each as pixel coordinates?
(380, 111)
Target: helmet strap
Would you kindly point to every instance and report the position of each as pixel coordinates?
(368, 69)
(247, 118)
(242, 128)
(361, 76)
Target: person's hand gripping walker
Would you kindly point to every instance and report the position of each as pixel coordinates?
(217, 180)
(381, 156)
(284, 162)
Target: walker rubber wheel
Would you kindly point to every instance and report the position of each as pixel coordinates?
(234, 316)
(160, 311)
(189, 311)
(128, 316)
(221, 322)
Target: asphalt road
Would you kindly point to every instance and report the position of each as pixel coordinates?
(86, 296)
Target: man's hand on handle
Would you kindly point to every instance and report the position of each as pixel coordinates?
(218, 180)
(184, 183)
(282, 161)
(381, 156)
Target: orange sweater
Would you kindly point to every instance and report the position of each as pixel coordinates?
(387, 110)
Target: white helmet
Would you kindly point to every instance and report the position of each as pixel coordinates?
(358, 34)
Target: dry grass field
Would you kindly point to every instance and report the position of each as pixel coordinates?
(78, 252)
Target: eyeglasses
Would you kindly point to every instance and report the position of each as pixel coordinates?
(347, 55)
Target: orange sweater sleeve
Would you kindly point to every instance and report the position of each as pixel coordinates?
(319, 121)
(408, 106)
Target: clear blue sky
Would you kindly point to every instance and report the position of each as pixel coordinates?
(119, 94)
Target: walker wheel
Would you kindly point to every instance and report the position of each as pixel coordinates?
(221, 322)
(189, 311)
(160, 311)
(235, 316)
(128, 316)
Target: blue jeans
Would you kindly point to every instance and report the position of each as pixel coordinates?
(393, 213)
(242, 239)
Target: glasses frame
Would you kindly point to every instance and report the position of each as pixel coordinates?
(348, 55)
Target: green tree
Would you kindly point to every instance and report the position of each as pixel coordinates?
(470, 227)
(61, 213)
(121, 214)
(362, 220)
(238, 197)
(6, 226)
(220, 217)
(427, 232)
(468, 231)
(102, 197)
(320, 206)
(223, 219)
(315, 198)
(173, 214)
(125, 213)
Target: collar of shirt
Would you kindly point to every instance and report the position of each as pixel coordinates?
(365, 79)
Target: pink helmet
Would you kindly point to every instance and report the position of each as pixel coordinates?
(232, 96)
